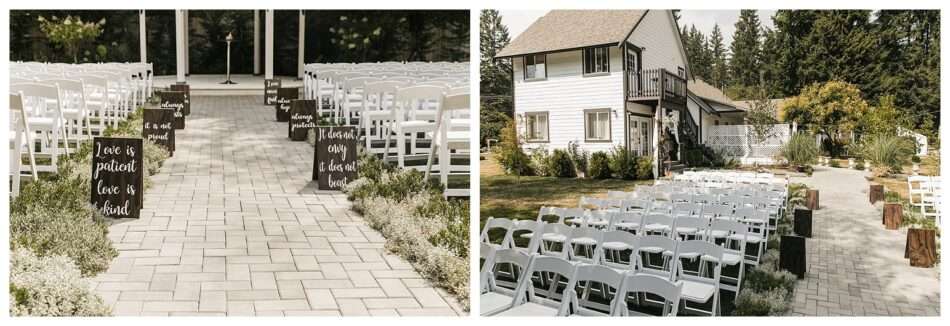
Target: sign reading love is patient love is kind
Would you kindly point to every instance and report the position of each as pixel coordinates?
(117, 176)
(158, 127)
(282, 105)
(303, 117)
(335, 158)
(270, 91)
(174, 100)
(187, 90)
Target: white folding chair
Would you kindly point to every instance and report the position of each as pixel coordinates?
(452, 136)
(502, 286)
(700, 285)
(608, 281)
(20, 140)
(542, 300)
(648, 285)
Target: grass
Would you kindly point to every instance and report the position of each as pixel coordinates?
(929, 165)
(521, 197)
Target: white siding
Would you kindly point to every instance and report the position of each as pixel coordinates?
(657, 35)
(566, 93)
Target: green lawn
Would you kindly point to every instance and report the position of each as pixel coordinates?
(521, 197)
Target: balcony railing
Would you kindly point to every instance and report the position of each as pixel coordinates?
(650, 84)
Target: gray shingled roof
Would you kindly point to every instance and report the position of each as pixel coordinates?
(709, 92)
(571, 29)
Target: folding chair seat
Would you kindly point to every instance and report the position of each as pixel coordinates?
(732, 237)
(635, 205)
(541, 298)
(627, 222)
(611, 251)
(654, 224)
(654, 255)
(702, 284)
(583, 243)
(579, 292)
(690, 228)
(552, 240)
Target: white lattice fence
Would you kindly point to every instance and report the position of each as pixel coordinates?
(738, 142)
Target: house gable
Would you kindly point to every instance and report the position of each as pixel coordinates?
(658, 36)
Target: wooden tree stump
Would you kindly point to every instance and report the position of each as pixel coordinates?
(893, 215)
(792, 255)
(803, 222)
(876, 193)
(921, 247)
(811, 199)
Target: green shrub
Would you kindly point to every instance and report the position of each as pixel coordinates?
(800, 150)
(540, 160)
(50, 286)
(623, 163)
(560, 164)
(754, 303)
(767, 277)
(454, 214)
(645, 167)
(888, 153)
(509, 153)
(834, 163)
(915, 159)
(599, 166)
(578, 157)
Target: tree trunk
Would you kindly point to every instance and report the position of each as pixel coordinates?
(921, 247)
(876, 193)
(811, 199)
(893, 215)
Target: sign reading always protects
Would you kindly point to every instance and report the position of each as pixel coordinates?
(270, 91)
(117, 176)
(176, 101)
(335, 158)
(282, 105)
(303, 117)
(187, 90)
(158, 127)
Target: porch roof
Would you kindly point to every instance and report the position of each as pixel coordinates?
(573, 29)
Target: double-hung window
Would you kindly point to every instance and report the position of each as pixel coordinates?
(534, 66)
(536, 126)
(597, 60)
(597, 125)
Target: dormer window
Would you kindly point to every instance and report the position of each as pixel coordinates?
(597, 60)
(534, 67)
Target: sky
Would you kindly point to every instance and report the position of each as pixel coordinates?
(519, 20)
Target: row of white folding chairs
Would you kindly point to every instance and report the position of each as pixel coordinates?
(126, 85)
(451, 135)
(728, 178)
(772, 202)
(537, 279)
(338, 93)
(21, 136)
(926, 193)
(665, 190)
(140, 74)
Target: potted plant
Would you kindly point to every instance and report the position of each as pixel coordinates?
(800, 152)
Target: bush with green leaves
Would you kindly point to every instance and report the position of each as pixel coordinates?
(800, 150)
(645, 167)
(579, 157)
(509, 153)
(560, 164)
(887, 153)
(769, 303)
(599, 166)
(623, 163)
(50, 286)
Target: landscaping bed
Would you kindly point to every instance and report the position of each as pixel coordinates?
(58, 239)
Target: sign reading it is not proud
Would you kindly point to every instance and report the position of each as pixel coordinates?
(176, 101)
(284, 96)
(303, 117)
(270, 91)
(335, 158)
(117, 176)
(158, 127)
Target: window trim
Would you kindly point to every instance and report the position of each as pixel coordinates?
(584, 61)
(610, 121)
(547, 125)
(524, 67)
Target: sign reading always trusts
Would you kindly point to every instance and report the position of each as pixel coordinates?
(270, 91)
(158, 127)
(176, 101)
(187, 90)
(335, 159)
(117, 176)
(282, 105)
(303, 117)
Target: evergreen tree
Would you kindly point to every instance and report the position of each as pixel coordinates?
(719, 71)
(694, 42)
(745, 63)
(495, 86)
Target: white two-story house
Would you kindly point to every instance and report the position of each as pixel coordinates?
(603, 78)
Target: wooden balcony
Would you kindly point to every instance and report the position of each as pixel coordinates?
(652, 85)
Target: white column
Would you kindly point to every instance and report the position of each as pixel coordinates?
(187, 45)
(180, 45)
(657, 125)
(300, 44)
(257, 42)
(142, 32)
(269, 44)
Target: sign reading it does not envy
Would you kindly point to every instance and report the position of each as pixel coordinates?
(335, 158)
(117, 176)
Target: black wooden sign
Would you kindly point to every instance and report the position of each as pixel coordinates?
(270, 91)
(158, 127)
(303, 117)
(335, 159)
(282, 105)
(174, 100)
(187, 90)
(117, 176)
